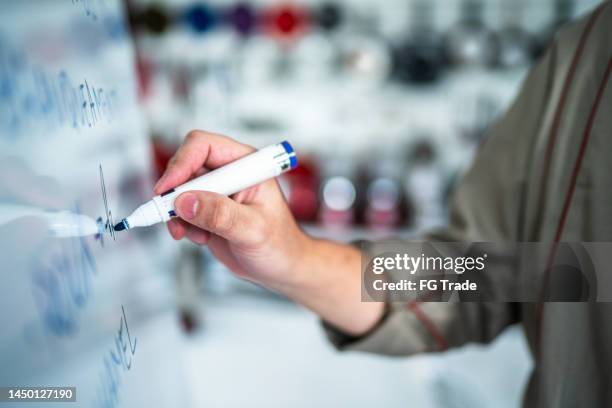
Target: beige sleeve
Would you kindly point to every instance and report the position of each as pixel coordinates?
(488, 205)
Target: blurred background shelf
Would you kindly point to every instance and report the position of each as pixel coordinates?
(386, 103)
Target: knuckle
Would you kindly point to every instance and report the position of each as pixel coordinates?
(172, 162)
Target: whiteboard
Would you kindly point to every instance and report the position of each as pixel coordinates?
(76, 302)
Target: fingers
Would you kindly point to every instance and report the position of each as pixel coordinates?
(221, 216)
(246, 196)
(180, 229)
(197, 235)
(200, 149)
(177, 229)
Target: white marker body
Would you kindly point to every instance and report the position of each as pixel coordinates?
(239, 175)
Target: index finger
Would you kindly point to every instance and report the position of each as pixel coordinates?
(200, 149)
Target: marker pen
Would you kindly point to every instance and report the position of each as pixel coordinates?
(243, 173)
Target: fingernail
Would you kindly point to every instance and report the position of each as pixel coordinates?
(160, 181)
(187, 206)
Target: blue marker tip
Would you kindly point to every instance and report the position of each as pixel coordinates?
(123, 225)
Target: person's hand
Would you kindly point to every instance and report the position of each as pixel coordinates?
(253, 233)
(255, 236)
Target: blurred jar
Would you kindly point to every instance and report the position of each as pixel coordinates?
(338, 194)
(329, 16)
(242, 17)
(152, 19)
(424, 184)
(259, 61)
(201, 18)
(301, 189)
(469, 43)
(385, 205)
(365, 61)
(419, 57)
(475, 114)
(285, 22)
(312, 58)
(513, 43)
(364, 57)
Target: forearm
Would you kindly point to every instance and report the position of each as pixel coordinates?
(328, 282)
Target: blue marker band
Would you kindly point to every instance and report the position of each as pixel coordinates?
(288, 147)
(293, 162)
(167, 192)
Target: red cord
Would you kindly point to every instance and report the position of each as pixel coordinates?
(569, 79)
(429, 325)
(570, 193)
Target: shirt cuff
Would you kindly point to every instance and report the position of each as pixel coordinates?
(399, 332)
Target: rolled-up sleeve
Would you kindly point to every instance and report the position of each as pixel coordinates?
(487, 206)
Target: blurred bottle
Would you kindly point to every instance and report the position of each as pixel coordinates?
(314, 55)
(385, 206)
(189, 271)
(312, 58)
(364, 56)
(301, 189)
(286, 22)
(329, 16)
(474, 117)
(338, 194)
(200, 18)
(562, 13)
(513, 43)
(144, 75)
(470, 41)
(154, 19)
(243, 18)
(424, 184)
(258, 61)
(162, 153)
(419, 58)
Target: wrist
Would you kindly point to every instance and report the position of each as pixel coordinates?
(317, 269)
(300, 271)
(326, 278)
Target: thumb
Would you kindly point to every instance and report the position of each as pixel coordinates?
(222, 216)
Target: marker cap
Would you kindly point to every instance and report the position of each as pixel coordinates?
(293, 162)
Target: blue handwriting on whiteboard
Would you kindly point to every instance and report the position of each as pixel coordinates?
(61, 281)
(117, 361)
(107, 224)
(29, 95)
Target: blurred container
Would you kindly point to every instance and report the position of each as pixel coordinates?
(419, 58)
(329, 16)
(338, 194)
(201, 18)
(424, 184)
(513, 43)
(386, 207)
(301, 188)
(286, 22)
(470, 41)
(243, 18)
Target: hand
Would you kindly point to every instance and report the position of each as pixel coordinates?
(256, 237)
(253, 233)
